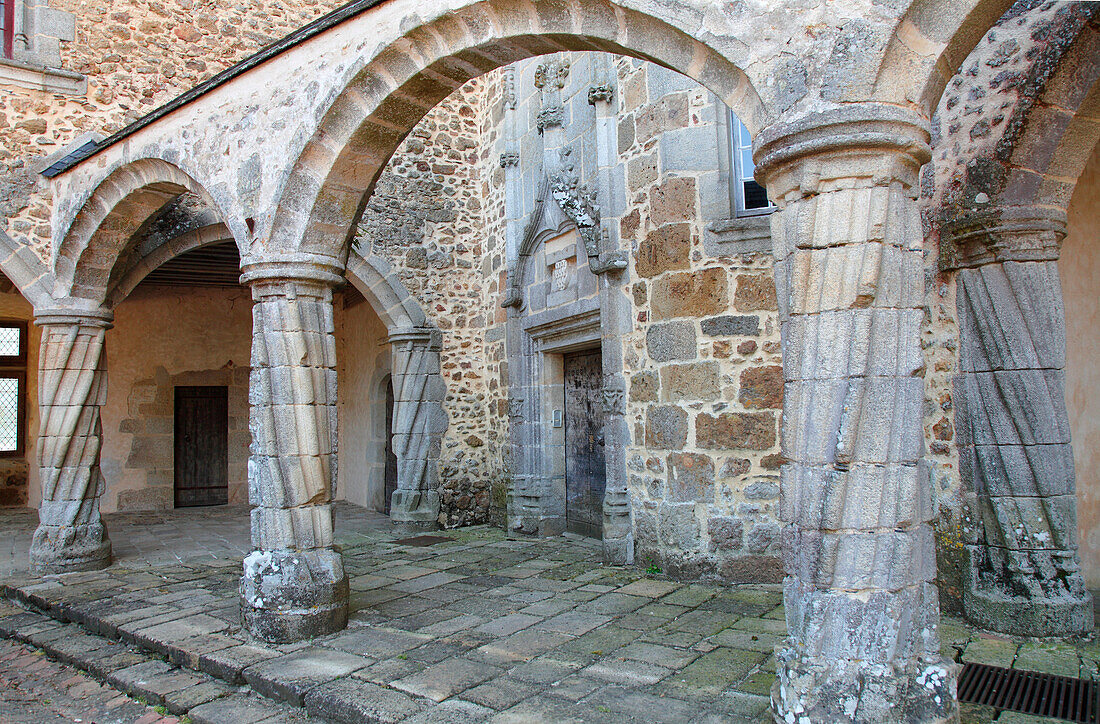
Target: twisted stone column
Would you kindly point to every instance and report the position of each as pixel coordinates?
(294, 586)
(1016, 460)
(72, 386)
(861, 604)
(418, 426)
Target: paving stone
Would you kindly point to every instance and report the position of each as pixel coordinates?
(453, 711)
(507, 625)
(446, 678)
(236, 709)
(990, 650)
(354, 701)
(574, 623)
(500, 693)
(627, 671)
(714, 671)
(374, 642)
(664, 655)
(518, 647)
(289, 677)
(1049, 657)
(230, 663)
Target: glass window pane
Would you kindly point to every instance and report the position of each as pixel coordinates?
(9, 414)
(9, 341)
(747, 166)
(743, 138)
(755, 196)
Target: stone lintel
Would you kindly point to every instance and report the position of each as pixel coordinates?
(1002, 233)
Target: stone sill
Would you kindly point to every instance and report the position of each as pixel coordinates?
(744, 235)
(39, 77)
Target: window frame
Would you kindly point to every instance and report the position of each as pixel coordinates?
(7, 14)
(738, 178)
(15, 367)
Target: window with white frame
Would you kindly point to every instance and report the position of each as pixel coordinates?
(749, 197)
(13, 384)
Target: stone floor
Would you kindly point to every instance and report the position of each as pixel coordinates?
(478, 628)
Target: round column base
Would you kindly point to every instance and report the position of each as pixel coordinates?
(69, 549)
(995, 610)
(289, 596)
(850, 691)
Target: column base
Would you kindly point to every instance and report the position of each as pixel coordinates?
(289, 596)
(68, 549)
(820, 690)
(415, 510)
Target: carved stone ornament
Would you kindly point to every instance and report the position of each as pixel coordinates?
(509, 158)
(515, 406)
(609, 262)
(552, 75)
(600, 94)
(509, 74)
(552, 116)
(614, 401)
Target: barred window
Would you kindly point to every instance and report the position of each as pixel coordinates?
(13, 384)
(750, 198)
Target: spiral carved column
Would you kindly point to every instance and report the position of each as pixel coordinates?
(419, 422)
(861, 603)
(72, 387)
(294, 586)
(1016, 460)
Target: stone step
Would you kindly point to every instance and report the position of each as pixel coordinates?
(144, 675)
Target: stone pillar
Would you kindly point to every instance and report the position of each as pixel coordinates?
(294, 586)
(1016, 460)
(72, 386)
(861, 603)
(419, 422)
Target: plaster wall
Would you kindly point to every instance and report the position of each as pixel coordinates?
(167, 336)
(1080, 270)
(363, 362)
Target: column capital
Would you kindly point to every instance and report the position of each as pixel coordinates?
(881, 143)
(1002, 233)
(74, 314)
(293, 267)
(428, 337)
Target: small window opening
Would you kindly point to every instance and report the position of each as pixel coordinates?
(13, 383)
(750, 198)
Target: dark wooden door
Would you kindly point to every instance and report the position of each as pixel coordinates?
(391, 456)
(585, 472)
(202, 446)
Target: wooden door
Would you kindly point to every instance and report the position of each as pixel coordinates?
(585, 472)
(202, 446)
(391, 456)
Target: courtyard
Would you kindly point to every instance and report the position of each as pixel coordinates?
(467, 626)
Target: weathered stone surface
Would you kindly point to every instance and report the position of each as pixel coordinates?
(690, 477)
(353, 700)
(644, 386)
(689, 294)
(666, 427)
(697, 381)
(755, 292)
(673, 200)
(671, 341)
(735, 431)
(291, 677)
(664, 249)
(731, 326)
(761, 387)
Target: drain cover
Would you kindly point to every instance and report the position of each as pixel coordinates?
(422, 541)
(1029, 692)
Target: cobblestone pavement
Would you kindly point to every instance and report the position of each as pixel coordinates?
(478, 628)
(37, 690)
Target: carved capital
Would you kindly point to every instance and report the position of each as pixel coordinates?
(600, 94)
(552, 75)
(509, 158)
(1002, 233)
(293, 266)
(75, 316)
(552, 116)
(515, 406)
(871, 143)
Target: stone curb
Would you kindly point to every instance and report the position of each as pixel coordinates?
(207, 687)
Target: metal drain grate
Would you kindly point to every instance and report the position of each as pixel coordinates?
(423, 541)
(1030, 692)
